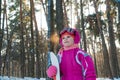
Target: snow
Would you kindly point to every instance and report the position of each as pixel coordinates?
(29, 78)
(108, 79)
(16, 78)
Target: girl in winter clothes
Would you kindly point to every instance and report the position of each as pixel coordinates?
(75, 64)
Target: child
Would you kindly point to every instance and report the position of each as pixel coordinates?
(75, 64)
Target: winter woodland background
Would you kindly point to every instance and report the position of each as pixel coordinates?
(29, 29)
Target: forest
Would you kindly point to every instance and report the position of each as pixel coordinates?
(30, 28)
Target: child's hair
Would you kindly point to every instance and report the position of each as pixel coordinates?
(67, 33)
(72, 32)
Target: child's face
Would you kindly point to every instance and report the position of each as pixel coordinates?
(67, 40)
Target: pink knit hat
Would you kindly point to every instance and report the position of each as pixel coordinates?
(72, 32)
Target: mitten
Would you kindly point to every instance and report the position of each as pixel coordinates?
(51, 71)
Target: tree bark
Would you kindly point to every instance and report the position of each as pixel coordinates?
(32, 51)
(83, 27)
(107, 70)
(50, 21)
(112, 47)
(22, 56)
(37, 44)
(1, 36)
(59, 15)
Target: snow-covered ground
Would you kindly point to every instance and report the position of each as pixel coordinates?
(16, 78)
(29, 78)
(107, 79)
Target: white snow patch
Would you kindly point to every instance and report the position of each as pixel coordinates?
(29, 78)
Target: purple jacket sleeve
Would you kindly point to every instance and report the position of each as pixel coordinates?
(90, 73)
(89, 69)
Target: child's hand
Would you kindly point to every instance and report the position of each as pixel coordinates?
(51, 71)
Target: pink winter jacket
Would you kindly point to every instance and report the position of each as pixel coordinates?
(70, 69)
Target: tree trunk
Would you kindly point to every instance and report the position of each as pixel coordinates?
(119, 11)
(112, 47)
(1, 36)
(59, 15)
(37, 44)
(107, 70)
(32, 51)
(119, 22)
(9, 40)
(27, 41)
(94, 56)
(50, 21)
(22, 56)
(83, 27)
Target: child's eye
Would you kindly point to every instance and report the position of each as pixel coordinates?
(68, 36)
(63, 38)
